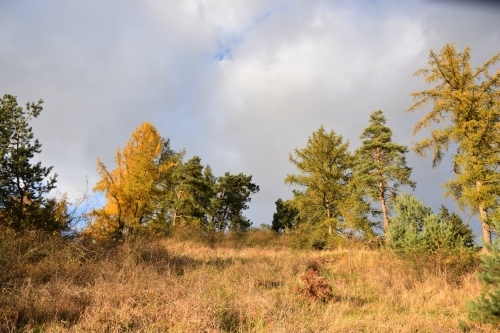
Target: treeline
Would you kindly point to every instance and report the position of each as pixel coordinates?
(337, 190)
(153, 188)
(338, 194)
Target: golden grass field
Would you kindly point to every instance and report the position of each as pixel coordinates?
(168, 285)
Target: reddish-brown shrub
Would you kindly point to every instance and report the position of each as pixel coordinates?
(315, 287)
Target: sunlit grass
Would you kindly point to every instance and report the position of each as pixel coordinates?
(183, 286)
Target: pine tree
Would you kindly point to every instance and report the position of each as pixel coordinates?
(486, 309)
(415, 229)
(380, 165)
(24, 185)
(458, 226)
(465, 117)
(232, 195)
(194, 187)
(286, 216)
(163, 189)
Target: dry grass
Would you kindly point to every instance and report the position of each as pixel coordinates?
(182, 286)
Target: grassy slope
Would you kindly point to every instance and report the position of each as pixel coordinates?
(174, 286)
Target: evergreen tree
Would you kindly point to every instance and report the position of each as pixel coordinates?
(232, 195)
(286, 216)
(194, 187)
(465, 117)
(380, 165)
(458, 226)
(415, 229)
(24, 185)
(163, 189)
(486, 309)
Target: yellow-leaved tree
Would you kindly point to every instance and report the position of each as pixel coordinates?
(131, 189)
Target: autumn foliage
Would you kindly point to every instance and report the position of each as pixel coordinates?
(129, 188)
(152, 189)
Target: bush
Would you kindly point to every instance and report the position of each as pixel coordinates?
(415, 229)
(314, 236)
(315, 287)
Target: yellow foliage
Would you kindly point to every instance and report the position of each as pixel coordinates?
(129, 187)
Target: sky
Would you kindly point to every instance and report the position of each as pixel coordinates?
(239, 83)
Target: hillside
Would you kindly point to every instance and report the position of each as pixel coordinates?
(168, 284)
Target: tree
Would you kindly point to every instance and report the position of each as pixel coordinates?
(24, 185)
(465, 119)
(163, 190)
(130, 188)
(232, 195)
(486, 309)
(415, 229)
(286, 216)
(380, 165)
(194, 188)
(324, 172)
(458, 227)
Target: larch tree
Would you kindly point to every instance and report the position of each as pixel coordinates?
(24, 185)
(380, 165)
(324, 167)
(129, 188)
(464, 119)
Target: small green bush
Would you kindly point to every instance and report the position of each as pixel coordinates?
(415, 229)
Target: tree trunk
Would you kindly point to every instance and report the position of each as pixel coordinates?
(330, 231)
(175, 216)
(484, 216)
(384, 210)
(485, 226)
(381, 190)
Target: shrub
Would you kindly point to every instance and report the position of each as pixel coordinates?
(415, 229)
(314, 236)
(315, 287)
